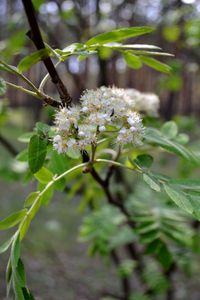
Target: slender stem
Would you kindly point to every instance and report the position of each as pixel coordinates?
(117, 164)
(44, 80)
(25, 79)
(38, 94)
(23, 227)
(93, 146)
(15, 71)
(21, 88)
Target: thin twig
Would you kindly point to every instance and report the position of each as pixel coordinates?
(112, 167)
(35, 35)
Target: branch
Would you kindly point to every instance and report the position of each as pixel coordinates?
(35, 35)
(110, 198)
(112, 167)
(130, 248)
(126, 286)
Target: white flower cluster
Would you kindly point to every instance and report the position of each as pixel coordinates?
(104, 110)
(147, 103)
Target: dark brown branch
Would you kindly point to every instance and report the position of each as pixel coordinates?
(111, 168)
(50, 101)
(126, 287)
(130, 248)
(36, 37)
(111, 199)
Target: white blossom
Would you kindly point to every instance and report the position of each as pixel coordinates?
(107, 110)
(66, 117)
(58, 144)
(143, 102)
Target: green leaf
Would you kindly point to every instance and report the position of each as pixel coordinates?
(152, 53)
(44, 175)
(18, 291)
(59, 163)
(144, 160)
(37, 150)
(24, 226)
(118, 35)
(32, 59)
(2, 87)
(30, 199)
(170, 129)
(131, 46)
(187, 184)
(27, 294)
(8, 277)
(105, 52)
(132, 60)
(151, 182)
(155, 64)
(15, 252)
(48, 195)
(164, 256)
(25, 137)
(13, 219)
(21, 273)
(8, 68)
(179, 198)
(4, 247)
(155, 137)
(71, 48)
(42, 128)
(23, 155)
(182, 138)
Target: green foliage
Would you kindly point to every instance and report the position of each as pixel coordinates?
(126, 268)
(155, 64)
(144, 160)
(36, 153)
(12, 220)
(170, 129)
(153, 220)
(151, 181)
(155, 280)
(159, 225)
(100, 227)
(30, 199)
(4, 247)
(160, 138)
(118, 35)
(132, 60)
(32, 59)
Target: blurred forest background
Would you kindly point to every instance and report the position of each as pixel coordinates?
(177, 26)
(59, 262)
